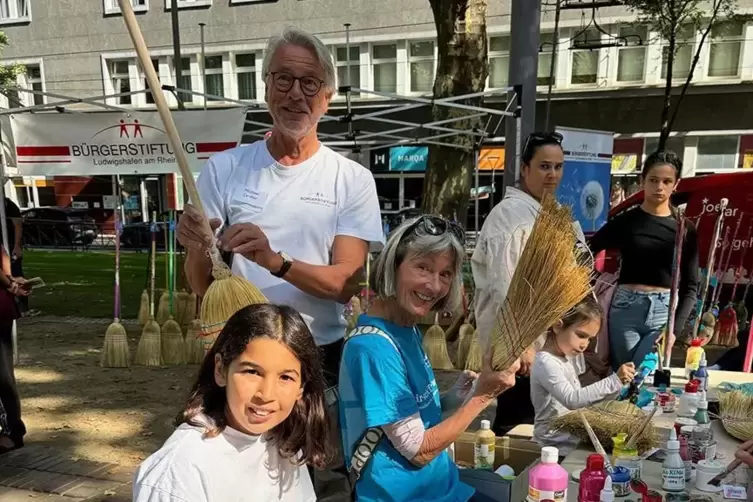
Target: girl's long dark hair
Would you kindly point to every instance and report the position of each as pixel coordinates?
(307, 429)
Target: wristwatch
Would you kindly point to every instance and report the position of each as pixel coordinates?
(287, 262)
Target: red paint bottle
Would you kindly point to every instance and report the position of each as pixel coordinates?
(592, 479)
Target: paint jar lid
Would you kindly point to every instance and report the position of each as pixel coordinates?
(595, 462)
(550, 455)
(620, 474)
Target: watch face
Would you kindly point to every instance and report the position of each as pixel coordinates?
(285, 256)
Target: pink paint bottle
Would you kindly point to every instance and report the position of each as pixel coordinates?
(547, 481)
(592, 479)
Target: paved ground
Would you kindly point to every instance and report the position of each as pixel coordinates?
(40, 473)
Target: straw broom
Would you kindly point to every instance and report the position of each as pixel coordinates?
(163, 309)
(115, 352)
(707, 320)
(196, 345)
(173, 345)
(475, 358)
(549, 280)
(435, 347)
(149, 350)
(227, 293)
(465, 339)
(735, 412)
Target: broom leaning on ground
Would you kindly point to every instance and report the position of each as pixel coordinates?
(115, 353)
(173, 345)
(149, 351)
(435, 346)
(228, 293)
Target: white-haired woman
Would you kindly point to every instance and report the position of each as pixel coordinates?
(389, 400)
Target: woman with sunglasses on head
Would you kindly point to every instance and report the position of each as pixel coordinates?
(645, 237)
(389, 400)
(498, 249)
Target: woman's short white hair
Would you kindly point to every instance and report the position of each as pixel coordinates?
(419, 243)
(300, 38)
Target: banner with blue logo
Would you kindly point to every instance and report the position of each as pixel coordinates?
(409, 158)
(586, 181)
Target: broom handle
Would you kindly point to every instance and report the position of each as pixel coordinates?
(729, 258)
(720, 271)
(142, 51)
(738, 271)
(170, 264)
(116, 309)
(153, 271)
(709, 263)
(674, 292)
(167, 256)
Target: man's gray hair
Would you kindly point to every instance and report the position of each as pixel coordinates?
(300, 38)
(399, 246)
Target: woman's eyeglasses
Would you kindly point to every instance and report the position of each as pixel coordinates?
(283, 81)
(434, 225)
(542, 137)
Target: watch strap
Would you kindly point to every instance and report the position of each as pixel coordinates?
(286, 264)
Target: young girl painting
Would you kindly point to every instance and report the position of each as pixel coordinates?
(254, 418)
(555, 388)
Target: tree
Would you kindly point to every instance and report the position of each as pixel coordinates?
(668, 18)
(462, 68)
(8, 74)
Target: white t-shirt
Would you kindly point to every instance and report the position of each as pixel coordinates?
(300, 209)
(231, 467)
(555, 391)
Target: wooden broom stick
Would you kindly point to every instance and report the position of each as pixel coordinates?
(595, 440)
(167, 119)
(634, 438)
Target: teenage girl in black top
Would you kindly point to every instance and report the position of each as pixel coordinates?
(645, 237)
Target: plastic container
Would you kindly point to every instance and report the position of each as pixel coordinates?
(689, 400)
(702, 415)
(548, 480)
(665, 400)
(620, 481)
(681, 422)
(702, 375)
(693, 357)
(686, 457)
(592, 479)
(483, 447)
(673, 468)
(705, 472)
(626, 457)
(607, 495)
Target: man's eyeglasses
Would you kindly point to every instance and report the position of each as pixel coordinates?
(283, 81)
(434, 225)
(542, 137)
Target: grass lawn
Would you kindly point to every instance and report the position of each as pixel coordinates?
(82, 284)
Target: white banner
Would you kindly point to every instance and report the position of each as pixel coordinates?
(85, 144)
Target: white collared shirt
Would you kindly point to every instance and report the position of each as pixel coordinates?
(231, 467)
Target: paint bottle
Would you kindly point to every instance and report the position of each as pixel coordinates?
(673, 468)
(592, 479)
(702, 415)
(548, 480)
(689, 400)
(607, 495)
(693, 357)
(483, 447)
(686, 457)
(702, 375)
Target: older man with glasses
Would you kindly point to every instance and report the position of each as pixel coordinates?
(298, 217)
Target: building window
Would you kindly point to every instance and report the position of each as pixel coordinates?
(113, 7)
(631, 60)
(183, 81)
(121, 81)
(245, 69)
(14, 11)
(499, 61)
(421, 60)
(32, 79)
(586, 61)
(384, 60)
(545, 60)
(342, 58)
(684, 56)
(725, 48)
(188, 3)
(149, 97)
(215, 82)
(674, 144)
(717, 152)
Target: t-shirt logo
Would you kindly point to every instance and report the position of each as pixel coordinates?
(319, 198)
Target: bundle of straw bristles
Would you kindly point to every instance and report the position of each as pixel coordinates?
(608, 419)
(736, 414)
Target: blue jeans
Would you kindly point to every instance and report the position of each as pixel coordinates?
(636, 320)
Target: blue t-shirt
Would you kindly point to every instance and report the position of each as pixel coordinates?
(379, 386)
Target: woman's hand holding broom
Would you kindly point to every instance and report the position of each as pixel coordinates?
(490, 383)
(192, 233)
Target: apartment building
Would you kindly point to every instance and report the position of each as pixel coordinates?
(80, 48)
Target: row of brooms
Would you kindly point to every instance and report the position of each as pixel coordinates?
(162, 340)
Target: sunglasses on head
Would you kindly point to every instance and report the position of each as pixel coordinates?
(434, 225)
(543, 137)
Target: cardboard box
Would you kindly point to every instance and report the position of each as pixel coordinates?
(520, 454)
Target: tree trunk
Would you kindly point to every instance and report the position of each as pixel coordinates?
(462, 68)
(665, 130)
